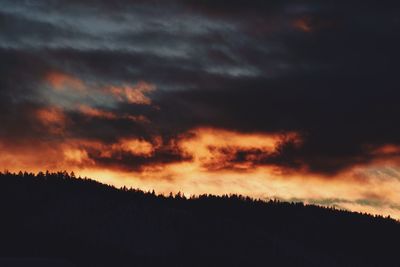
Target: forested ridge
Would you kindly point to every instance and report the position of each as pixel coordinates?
(81, 222)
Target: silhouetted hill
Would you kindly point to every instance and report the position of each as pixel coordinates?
(80, 222)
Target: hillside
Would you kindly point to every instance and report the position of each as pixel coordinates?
(80, 222)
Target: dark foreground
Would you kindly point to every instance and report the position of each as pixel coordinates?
(62, 221)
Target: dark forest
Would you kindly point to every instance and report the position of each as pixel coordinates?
(62, 220)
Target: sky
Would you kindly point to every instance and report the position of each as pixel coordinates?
(293, 100)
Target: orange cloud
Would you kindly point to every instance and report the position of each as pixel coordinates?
(135, 94)
(52, 118)
(97, 113)
(387, 150)
(77, 150)
(135, 147)
(217, 148)
(303, 24)
(371, 188)
(310, 24)
(59, 81)
(77, 156)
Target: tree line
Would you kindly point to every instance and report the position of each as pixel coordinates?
(86, 223)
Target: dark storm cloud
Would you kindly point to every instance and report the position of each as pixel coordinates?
(129, 162)
(326, 70)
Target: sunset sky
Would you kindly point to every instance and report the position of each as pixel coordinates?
(295, 100)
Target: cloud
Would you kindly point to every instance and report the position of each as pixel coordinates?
(269, 82)
(77, 156)
(53, 119)
(92, 112)
(61, 81)
(216, 149)
(136, 147)
(97, 113)
(133, 95)
(207, 90)
(303, 24)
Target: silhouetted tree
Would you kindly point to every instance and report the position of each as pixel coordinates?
(56, 215)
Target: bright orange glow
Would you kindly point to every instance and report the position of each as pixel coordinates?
(135, 147)
(216, 148)
(344, 192)
(60, 81)
(76, 156)
(373, 188)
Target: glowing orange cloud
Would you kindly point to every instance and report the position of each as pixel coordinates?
(77, 150)
(216, 148)
(59, 81)
(135, 147)
(77, 156)
(373, 188)
(52, 118)
(134, 95)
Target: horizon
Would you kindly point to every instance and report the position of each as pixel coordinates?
(181, 196)
(60, 220)
(175, 193)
